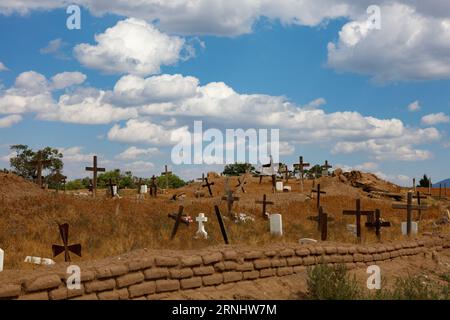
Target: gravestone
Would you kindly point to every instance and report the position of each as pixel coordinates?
(414, 228)
(2, 258)
(279, 186)
(39, 260)
(143, 189)
(201, 232)
(307, 241)
(276, 224)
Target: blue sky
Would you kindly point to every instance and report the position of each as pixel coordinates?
(273, 58)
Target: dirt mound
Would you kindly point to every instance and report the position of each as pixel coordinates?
(368, 182)
(15, 187)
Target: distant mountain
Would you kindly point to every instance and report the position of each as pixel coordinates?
(447, 181)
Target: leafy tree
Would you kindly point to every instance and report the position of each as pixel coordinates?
(315, 171)
(23, 167)
(424, 182)
(237, 169)
(174, 181)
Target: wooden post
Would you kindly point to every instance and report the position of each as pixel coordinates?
(221, 224)
(414, 185)
(177, 222)
(323, 222)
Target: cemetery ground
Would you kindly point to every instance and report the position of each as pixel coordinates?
(107, 227)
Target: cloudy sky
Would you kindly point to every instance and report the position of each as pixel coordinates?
(337, 89)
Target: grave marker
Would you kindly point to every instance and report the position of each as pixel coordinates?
(419, 197)
(276, 224)
(318, 192)
(202, 179)
(39, 164)
(166, 174)
(301, 167)
(112, 188)
(409, 209)
(221, 224)
(264, 203)
(241, 184)
(201, 219)
(177, 222)
(39, 260)
(325, 168)
(95, 170)
(66, 248)
(414, 228)
(230, 200)
(323, 224)
(414, 185)
(269, 172)
(187, 220)
(153, 187)
(208, 185)
(283, 169)
(358, 213)
(378, 224)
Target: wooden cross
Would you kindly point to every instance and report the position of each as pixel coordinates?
(323, 224)
(221, 224)
(59, 179)
(39, 164)
(208, 185)
(202, 179)
(358, 213)
(230, 199)
(283, 169)
(326, 166)
(378, 223)
(153, 187)
(66, 248)
(318, 192)
(177, 222)
(166, 174)
(409, 209)
(301, 167)
(184, 219)
(241, 184)
(419, 197)
(264, 203)
(95, 170)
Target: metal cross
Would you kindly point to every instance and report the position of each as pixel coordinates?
(66, 248)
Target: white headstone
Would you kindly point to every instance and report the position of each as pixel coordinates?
(307, 241)
(143, 189)
(414, 228)
(287, 188)
(279, 185)
(39, 260)
(201, 232)
(2, 257)
(114, 190)
(351, 228)
(276, 224)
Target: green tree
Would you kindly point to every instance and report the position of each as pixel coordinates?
(22, 162)
(237, 169)
(315, 171)
(174, 181)
(424, 182)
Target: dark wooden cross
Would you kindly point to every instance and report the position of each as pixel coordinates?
(418, 196)
(177, 222)
(230, 200)
(283, 169)
(409, 209)
(301, 167)
(318, 192)
(358, 213)
(208, 185)
(264, 203)
(202, 179)
(153, 187)
(378, 223)
(184, 218)
(326, 166)
(39, 163)
(323, 224)
(66, 248)
(95, 169)
(241, 184)
(111, 186)
(166, 174)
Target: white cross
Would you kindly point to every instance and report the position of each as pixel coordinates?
(201, 219)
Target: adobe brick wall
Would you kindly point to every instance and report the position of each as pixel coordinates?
(150, 274)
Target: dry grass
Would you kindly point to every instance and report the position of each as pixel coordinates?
(106, 227)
